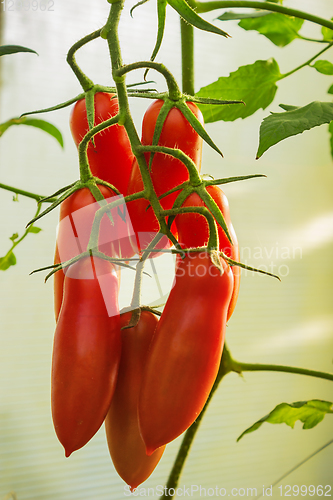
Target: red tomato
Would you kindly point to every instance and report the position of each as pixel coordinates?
(126, 446)
(111, 158)
(166, 171)
(186, 350)
(193, 232)
(86, 352)
(76, 219)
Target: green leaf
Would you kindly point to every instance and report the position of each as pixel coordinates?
(187, 13)
(278, 28)
(279, 126)
(13, 49)
(34, 229)
(324, 67)
(254, 84)
(34, 122)
(327, 33)
(330, 90)
(14, 237)
(330, 129)
(7, 261)
(230, 16)
(309, 412)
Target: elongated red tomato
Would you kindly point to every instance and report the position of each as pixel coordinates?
(186, 350)
(193, 232)
(111, 157)
(77, 214)
(86, 352)
(166, 172)
(126, 446)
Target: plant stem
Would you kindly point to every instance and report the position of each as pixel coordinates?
(187, 42)
(110, 32)
(15, 243)
(85, 82)
(244, 367)
(307, 63)
(34, 196)
(202, 7)
(173, 480)
(173, 89)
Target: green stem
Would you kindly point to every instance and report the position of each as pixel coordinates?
(244, 367)
(15, 243)
(194, 177)
(202, 7)
(173, 89)
(110, 32)
(307, 63)
(85, 172)
(34, 196)
(85, 82)
(185, 446)
(187, 42)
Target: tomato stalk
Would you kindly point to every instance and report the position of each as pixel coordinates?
(85, 82)
(110, 32)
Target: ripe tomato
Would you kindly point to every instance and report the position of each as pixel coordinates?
(126, 446)
(86, 352)
(166, 172)
(76, 219)
(186, 349)
(111, 158)
(193, 232)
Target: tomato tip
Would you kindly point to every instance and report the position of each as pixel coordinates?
(150, 450)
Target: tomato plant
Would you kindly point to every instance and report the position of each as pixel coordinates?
(86, 352)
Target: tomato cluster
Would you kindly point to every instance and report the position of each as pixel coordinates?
(150, 381)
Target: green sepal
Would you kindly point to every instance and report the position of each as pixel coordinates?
(161, 15)
(207, 100)
(227, 180)
(90, 110)
(248, 268)
(56, 107)
(164, 111)
(187, 13)
(54, 195)
(216, 212)
(55, 203)
(13, 49)
(200, 130)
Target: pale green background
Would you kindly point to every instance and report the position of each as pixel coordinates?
(287, 323)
